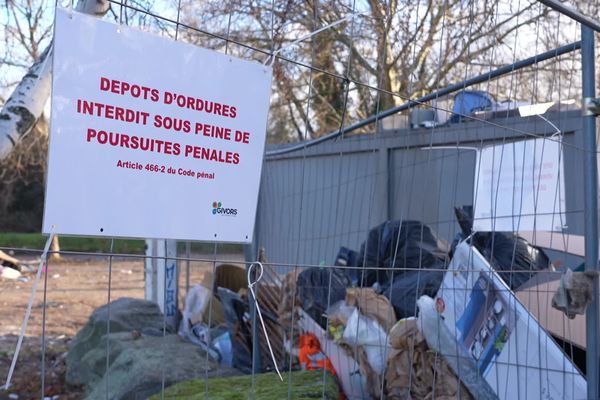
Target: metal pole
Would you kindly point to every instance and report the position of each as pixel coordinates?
(188, 251)
(506, 69)
(256, 360)
(591, 206)
(171, 285)
(573, 13)
(251, 255)
(150, 271)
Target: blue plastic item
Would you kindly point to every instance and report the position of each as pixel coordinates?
(224, 347)
(469, 101)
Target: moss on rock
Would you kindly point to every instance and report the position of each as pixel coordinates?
(304, 385)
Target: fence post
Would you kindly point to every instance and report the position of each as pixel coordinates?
(162, 278)
(171, 285)
(251, 255)
(591, 206)
(150, 271)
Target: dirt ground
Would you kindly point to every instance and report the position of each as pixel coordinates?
(76, 285)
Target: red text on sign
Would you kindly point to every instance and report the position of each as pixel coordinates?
(122, 88)
(192, 103)
(112, 112)
(176, 124)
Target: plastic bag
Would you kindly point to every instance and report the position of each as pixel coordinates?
(363, 331)
(340, 312)
(318, 288)
(311, 357)
(338, 315)
(399, 245)
(408, 287)
(196, 303)
(514, 258)
(223, 345)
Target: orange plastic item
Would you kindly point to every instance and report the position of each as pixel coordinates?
(310, 355)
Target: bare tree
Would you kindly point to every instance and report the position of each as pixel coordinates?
(22, 171)
(25, 105)
(404, 49)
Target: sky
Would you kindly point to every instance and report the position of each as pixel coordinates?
(526, 42)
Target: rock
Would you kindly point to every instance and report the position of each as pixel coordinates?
(126, 315)
(140, 365)
(93, 363)
(138, 353)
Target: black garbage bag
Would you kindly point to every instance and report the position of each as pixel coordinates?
(514, 258)
(399, 247)
(346, 257)
(319, 288)
(406, 289)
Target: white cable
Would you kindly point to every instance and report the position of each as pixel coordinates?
(41, 267)
(558, 132)
(262, 322)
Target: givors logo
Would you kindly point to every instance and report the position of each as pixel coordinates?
(217, 209)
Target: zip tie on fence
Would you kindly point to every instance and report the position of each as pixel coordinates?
(41, 267)
(271, 59)
(262, 322)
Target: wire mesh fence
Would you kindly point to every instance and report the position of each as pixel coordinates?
(420, 238)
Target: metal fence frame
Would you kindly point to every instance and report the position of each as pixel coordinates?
(382, 145)
(382, 148)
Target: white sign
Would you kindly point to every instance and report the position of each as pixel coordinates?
(513, 353)
(152, 138)
(520, 187)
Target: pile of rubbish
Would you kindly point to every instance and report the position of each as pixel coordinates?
(358, 320)
(407, 316)
(363, 315)
(216, 317)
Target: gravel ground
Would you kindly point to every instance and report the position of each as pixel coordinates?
(76, 285)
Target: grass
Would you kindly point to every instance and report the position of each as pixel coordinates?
(305, 385)
(92, 244)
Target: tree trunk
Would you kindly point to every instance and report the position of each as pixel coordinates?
(26, 103)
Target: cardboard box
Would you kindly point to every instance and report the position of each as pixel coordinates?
(513, 352)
